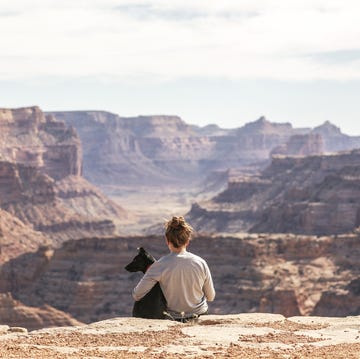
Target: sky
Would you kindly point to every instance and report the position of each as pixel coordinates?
(226, 62)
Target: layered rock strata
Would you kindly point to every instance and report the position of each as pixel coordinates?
(301, 145)
(334, 140)
(286, 274)
(40, 178)
(29, 137)
(15, 314)
(17, 238)
(308, 195)
(64, 209)
(154, 150)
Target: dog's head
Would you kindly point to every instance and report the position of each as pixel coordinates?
(141, 262)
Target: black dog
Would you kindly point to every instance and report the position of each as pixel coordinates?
(153, 304)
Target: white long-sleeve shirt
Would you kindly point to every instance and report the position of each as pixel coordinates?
(185, 280)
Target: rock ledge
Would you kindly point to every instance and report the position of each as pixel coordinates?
(235, 335)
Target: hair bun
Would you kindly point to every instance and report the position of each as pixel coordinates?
(177, 222)
(178, 232)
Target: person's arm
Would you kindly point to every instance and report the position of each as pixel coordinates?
(208, 287)
(150, 278)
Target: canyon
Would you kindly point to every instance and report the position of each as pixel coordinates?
(318, 194)
(154, 150)
(41, 183)
(187, 166)
(275, 209)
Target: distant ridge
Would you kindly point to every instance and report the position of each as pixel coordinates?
(164, 150)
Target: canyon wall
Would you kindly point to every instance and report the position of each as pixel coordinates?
(301, 145)
(29, 137)
(135, 151)
(17, 238)
(64, 209)
(41, 183)
(16, 314)
(157, 150)
(286, 274)
(308, 195)
(334, 140)
(154, 150)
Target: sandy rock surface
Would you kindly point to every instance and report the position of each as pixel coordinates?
(213, 336)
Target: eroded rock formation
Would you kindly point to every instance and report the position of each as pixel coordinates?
(301, 145)
(16, 238)
(153, 150)
(309, 195)
(334, 140)
(29, 137)
(64, 209)
(286, 274)
(15, 314)
(40, 178)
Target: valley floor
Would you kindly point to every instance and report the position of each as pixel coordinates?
(214, 336)
(151, 207)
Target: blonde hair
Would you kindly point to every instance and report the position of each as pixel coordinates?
(178, 232)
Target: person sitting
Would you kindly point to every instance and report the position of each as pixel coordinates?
(184, 278)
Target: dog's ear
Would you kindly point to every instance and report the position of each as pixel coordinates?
(141, 250)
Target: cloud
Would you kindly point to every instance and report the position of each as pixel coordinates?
(338, 57)
(149, 12)
(180, 12)
(275, 39)
(9, 13)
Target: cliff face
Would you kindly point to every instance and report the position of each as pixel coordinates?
(16, 238)
(301, 145)
(141, 150)
(15, 314)
(69, 208)
(284, 274)
(334, 140)
(40, 179)
(29, 137)
(154, 150)
(309, 195)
